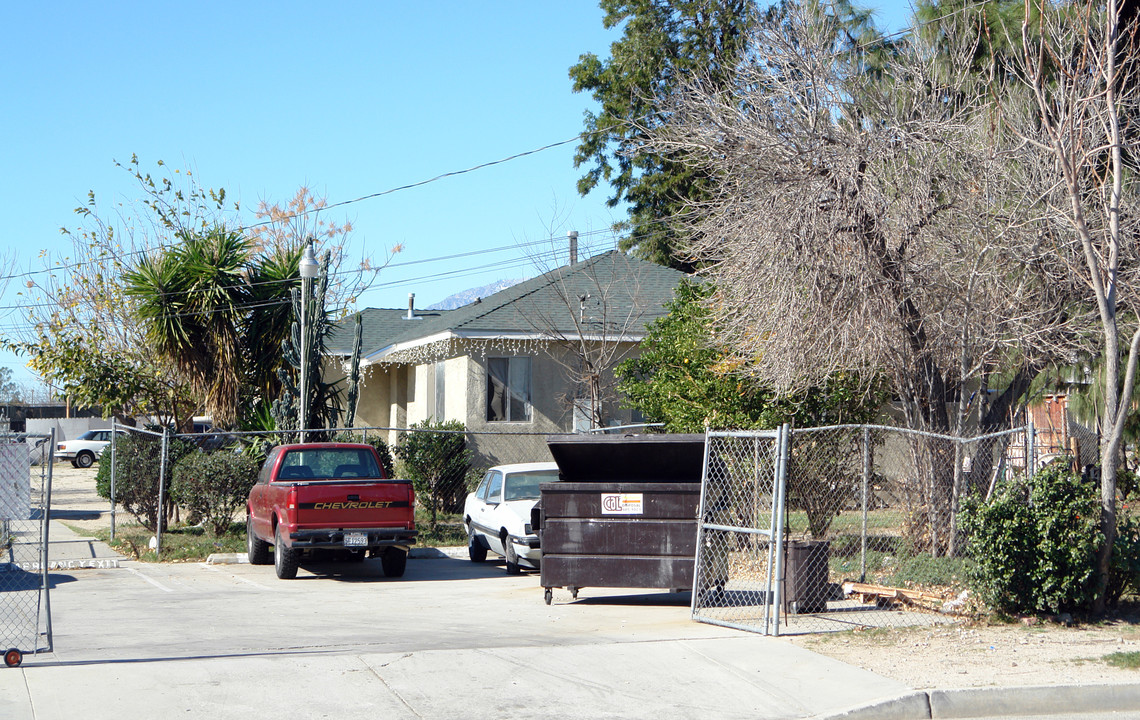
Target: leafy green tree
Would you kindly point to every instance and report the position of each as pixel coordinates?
(9, 390)
(663, 41)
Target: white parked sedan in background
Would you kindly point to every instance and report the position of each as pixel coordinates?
(497, 514)
(84, 450)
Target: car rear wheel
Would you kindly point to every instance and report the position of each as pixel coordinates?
(258, 549)
(512, 558)
(85, 459)
(285, 560)
(394, 560)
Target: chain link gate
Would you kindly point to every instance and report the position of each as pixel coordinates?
(868, 515)
(740, 513)
(25, 498)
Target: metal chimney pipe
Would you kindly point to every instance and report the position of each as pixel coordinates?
(573, 236)
(411, 305)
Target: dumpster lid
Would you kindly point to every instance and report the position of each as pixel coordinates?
(628, 458)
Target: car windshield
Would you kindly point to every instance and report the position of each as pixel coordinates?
(524, 485)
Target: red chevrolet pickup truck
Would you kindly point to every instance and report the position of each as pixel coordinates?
(314, 497)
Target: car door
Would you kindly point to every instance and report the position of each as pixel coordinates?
(488, 507)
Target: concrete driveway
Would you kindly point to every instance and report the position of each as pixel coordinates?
(451, 639)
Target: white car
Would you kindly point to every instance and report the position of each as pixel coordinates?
(497, 514)
(84, 450)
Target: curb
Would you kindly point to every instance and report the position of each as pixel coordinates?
(984, 702)
(416, 553)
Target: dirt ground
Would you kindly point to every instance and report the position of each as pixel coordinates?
(964, 654)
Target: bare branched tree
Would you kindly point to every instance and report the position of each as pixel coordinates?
(592, 314)
(1076, 141)
(863, 222)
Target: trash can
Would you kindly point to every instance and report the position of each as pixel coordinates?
(806, 576)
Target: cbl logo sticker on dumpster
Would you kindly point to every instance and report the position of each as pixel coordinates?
(622, 503)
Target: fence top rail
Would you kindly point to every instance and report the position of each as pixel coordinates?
(24, 436)
(209, 433)
(743, 433)
(909, 431)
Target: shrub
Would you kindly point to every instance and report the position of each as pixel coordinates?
(1124, 574)
(1034, 544)
(137, 462)
(436, 459)
(214, 486)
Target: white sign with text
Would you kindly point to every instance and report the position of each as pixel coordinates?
(622, 503)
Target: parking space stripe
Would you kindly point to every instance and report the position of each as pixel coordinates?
(150, 580)
(236, 577)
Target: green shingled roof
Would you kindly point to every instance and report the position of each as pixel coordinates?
(612, 292)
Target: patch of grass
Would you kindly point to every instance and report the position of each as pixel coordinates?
(1126, 660)
(449, 530)
(922, 569)
(179, 543)
(446, 535)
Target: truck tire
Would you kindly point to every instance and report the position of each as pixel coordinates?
(394, 560)
(258, 549)
(85, 459)
(285, 560)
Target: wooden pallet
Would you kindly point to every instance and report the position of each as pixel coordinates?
(885, 595)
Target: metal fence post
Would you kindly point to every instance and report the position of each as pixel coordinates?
(866, 488)
(161, 495)
(1031, 450)
(700, 527)
(781, 482)
(114, 432)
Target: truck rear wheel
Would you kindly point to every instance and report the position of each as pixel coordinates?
(285, 560)
(258, 549)
(394, 560)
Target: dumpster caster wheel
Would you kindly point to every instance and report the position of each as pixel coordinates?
(13, 658)
(574, 593)
(548, 595)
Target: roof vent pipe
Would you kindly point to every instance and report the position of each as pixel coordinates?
(573, 236)
(411, 306)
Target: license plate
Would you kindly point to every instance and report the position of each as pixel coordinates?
(355, 539)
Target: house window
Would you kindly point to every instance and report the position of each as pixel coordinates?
(508, 389)
(440, 405)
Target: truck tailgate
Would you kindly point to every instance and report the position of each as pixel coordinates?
(353, 504)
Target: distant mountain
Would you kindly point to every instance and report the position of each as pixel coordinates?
(465, 297)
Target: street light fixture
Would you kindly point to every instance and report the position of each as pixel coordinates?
(307, 268)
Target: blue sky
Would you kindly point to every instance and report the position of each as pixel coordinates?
(348, 98)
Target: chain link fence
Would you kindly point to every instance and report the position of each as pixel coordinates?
(444, 465)
(25, 499)
(867, 516)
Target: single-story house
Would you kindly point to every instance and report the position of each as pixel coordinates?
(522, 360)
